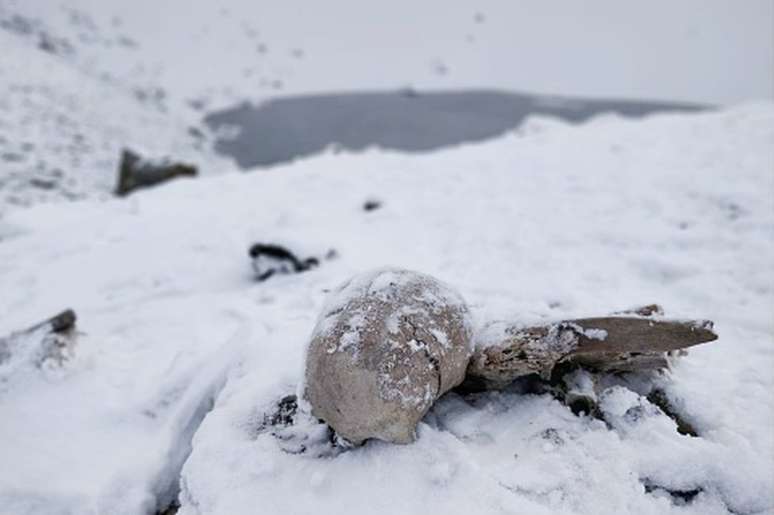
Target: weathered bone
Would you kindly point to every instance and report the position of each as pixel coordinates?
(624, 334)
(616, 343)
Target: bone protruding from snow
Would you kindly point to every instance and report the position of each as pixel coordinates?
(388, 344)
(612, 344)
(635, 334)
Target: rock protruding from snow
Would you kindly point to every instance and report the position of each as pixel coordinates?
(50, 342)
(135, 172)
(269, 259)
(387, 345)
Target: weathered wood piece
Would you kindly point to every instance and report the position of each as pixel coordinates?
(617, 343)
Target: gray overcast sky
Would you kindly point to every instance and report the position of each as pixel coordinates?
(715, 51)
(710, 50)
(719, 51)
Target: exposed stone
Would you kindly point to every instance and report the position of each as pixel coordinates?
(580, 393)
(49, 342)
(135, 172)
(387, 345)
(372, 205)
(269, 259)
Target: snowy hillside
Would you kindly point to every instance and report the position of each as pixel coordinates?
(82, 80)
(180, 353)
(63, 123)
(170, 395)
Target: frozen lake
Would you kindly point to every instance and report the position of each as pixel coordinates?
(282, 129)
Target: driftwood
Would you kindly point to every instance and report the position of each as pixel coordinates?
(53, 336)
(637, 340)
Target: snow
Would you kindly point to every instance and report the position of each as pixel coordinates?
(48, 128)
(550, 222)
(595, 334)
(82, 79)
(580, 383)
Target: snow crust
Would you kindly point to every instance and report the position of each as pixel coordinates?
(551, 222)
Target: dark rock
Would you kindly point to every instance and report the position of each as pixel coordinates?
(197, 104)
(270, 259)
(196, 132)
(43, 183)
(54, 45)
(12, 157)
(172, 509)
(286, 411)
(126, 41)
(658, 397)
(135, 172)
(678, 497)
(18, 24)
(48, 341)
(371, 205)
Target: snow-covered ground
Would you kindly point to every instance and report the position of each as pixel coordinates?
(64, 120)
(181, 353)
(81, 79)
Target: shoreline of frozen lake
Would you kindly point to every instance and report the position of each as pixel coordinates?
(284, 128)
